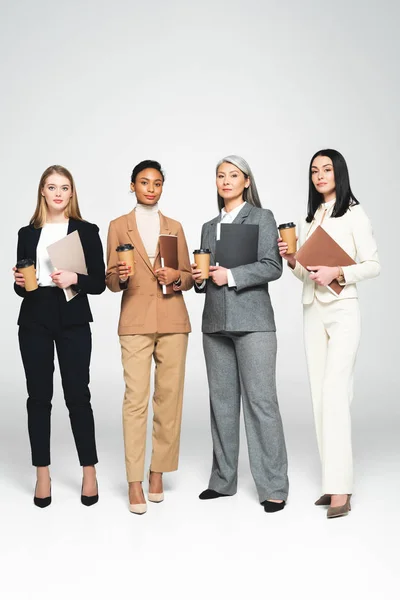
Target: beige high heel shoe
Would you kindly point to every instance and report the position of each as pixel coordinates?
(339, 511)
(138, 509)
(154, 497)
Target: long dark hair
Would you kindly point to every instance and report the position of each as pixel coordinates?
(250, 194)
(344, 196)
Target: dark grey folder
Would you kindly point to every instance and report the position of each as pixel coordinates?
(237, 246)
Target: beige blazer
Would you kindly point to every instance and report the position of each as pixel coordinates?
(353, 232)
(144, 308)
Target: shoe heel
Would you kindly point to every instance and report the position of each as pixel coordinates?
(90, 500)
(152, 497)
(42, 502)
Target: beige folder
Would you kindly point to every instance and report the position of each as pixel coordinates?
(321, 249)
(67, 255)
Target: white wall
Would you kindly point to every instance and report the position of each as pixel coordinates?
(99, 86)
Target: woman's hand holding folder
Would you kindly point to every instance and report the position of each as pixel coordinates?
(323, 275)
(166, 275)
(219, 275)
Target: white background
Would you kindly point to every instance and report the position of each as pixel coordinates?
(100, 86)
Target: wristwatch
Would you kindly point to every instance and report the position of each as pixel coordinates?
(341, 278)
(178, 281)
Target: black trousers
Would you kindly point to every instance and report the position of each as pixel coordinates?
(73, 345)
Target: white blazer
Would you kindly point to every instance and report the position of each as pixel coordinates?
(353, 232)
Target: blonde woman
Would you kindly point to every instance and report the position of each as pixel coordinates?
(47, 320)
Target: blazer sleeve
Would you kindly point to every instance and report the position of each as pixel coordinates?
(269, 264)
(184, 262)
(203, 289)
(112, 279)
(21, 253)
(299, 271)
(367, 251)
(94, 281)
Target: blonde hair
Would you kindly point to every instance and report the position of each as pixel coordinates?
(72, 210)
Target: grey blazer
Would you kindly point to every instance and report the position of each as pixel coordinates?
(247, 307)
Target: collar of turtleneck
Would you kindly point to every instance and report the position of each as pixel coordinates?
(144, 209)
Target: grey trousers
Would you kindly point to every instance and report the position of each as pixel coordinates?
(243, 365)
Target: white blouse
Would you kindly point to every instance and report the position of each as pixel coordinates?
(51, 232)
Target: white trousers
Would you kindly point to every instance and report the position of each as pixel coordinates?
(332, 335)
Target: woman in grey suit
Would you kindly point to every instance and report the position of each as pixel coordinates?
(239, 343)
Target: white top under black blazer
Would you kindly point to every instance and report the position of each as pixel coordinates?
(35, 305)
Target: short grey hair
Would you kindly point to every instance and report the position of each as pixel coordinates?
(250, 194)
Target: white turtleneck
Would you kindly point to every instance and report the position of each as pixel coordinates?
(148, 223)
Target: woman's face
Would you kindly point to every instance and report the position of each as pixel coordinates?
(57, 192)
(148, 186)
(231, 182)
(323, 175)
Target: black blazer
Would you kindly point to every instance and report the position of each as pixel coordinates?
(37, 304)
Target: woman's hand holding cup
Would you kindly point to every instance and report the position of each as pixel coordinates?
(197, 274)
(19, 278)
(283, 251)
(124, 271)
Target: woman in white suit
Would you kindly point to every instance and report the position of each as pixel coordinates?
(332, 322)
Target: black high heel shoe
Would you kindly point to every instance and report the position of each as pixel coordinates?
(90, 500)
(271, 507)
(42, 502)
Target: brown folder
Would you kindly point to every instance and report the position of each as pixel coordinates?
(321, 249)
(169, 256)
(67, 255)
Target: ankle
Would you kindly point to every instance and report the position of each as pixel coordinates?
(42, 473)
(89, 472)
(136, 494)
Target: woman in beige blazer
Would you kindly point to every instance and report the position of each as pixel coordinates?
(332, 322)
(151, 326)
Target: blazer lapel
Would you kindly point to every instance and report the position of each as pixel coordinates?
(136, 240)
(211, 243)
(243, 214)
(73, 225)
(165, 229)
(32, 243)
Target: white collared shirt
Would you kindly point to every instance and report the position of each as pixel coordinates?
(51, 232)
(226, 217)
(229, 217)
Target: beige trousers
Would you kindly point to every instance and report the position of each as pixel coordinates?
(332, 335)
(169, 353)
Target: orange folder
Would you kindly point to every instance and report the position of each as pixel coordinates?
(169, 256)
(321, 249)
